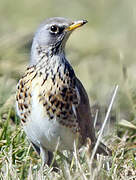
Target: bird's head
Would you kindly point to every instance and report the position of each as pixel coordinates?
(52, 35)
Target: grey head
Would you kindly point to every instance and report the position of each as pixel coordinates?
(51, 37)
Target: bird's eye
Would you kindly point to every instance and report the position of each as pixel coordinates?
(54, 29)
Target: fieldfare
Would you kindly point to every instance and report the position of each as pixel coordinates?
(50, 100)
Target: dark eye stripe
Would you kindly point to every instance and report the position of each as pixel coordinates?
(61, 29)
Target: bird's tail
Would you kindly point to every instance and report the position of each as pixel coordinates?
(103, 149)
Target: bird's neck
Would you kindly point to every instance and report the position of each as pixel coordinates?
(39, 53)
(48, 59)
(56, 63)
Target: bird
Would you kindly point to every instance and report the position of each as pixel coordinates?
(51, 101)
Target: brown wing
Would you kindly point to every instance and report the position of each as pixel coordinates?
(84, 114)
(86, 122)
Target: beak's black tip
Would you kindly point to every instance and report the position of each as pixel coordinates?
(85, 21)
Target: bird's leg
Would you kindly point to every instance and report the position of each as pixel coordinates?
(36, 148)
(44, 155)
(50, 158)
(52, 162)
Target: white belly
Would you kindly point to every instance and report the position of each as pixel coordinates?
(47, 132)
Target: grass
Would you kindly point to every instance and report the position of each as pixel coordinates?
(19, 161)
(102, 54)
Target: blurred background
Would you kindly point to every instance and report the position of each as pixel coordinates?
(102, 52)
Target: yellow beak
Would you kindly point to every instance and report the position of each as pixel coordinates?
(76, 25)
